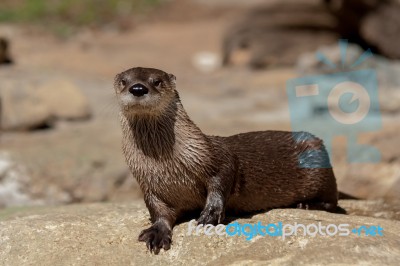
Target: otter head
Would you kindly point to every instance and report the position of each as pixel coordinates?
(145, 90)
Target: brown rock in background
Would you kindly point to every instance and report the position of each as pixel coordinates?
(381, 29)
(22, 108)
(64, 100)
(26, 105)
(275, 34)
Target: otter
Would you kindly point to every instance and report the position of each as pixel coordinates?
(180, 169)
(4, 52)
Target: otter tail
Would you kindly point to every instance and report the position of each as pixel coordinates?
(342, 195)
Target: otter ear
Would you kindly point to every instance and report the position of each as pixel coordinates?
(172, 79)
(116, 78)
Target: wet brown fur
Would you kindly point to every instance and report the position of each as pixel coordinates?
(180, 169)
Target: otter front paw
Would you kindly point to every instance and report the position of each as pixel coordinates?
(211, 215)
(156, 237)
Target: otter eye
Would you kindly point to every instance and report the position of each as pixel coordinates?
(123, 82)
(157, 82)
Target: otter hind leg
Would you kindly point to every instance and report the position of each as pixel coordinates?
(315, 205)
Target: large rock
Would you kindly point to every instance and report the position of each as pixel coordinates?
(370, 23)
(64, 99)
(277, 32)
(381, 29)
(21, 108)
(26, 105)
(106, 234)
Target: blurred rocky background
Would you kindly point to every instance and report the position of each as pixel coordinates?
(59, 120)
(60, 135)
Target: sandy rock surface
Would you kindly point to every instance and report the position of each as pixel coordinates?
(106, 234)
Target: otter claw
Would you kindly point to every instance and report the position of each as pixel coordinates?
(156, 238)
(211, 215)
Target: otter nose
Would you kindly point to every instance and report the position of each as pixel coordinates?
(138, 90)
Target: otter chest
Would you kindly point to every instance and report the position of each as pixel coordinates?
(171, 180)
